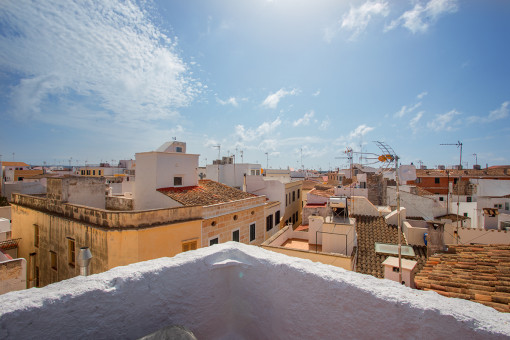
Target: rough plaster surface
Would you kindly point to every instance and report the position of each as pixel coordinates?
(239, 291)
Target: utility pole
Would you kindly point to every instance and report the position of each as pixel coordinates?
(302, 158)
(421, 163)
(267, 160)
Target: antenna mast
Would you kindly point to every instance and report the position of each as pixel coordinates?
(458, 144)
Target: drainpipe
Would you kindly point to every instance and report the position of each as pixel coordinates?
(84, 260)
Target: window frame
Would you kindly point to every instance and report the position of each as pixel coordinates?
(53, 260)
(238, 235)
(71, 252)
(189, 244)
(175, 180)
(437, 180)
(217, 237)
(269, 222)
(37, 236)
(254, 225)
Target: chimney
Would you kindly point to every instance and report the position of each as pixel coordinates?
(84, 260)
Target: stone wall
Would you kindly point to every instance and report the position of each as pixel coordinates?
(220, 220)
(13, 275)
(106, 218)
(119, 203)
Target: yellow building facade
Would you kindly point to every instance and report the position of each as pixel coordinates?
(52, 234)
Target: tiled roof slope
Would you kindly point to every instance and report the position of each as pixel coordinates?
(207, 192)
(375, 229)
(323, 191)
(480, 273)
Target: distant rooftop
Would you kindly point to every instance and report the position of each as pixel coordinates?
(479, 273)
(207, 192)
(237, 291)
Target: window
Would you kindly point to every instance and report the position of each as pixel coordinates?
(94, 172)
(418, 180)
(71, 252)
(83, 172)
(298, 193)
(441, 198)
(286, 199)
(36, 235)
(178, 149)
(88, 172)
(277, 218)
(465, 214)
(53, 260)
(177, 180)
(395, 269)
(189, 245)
(296, 214)
(252, 232)
(99, 172)
(436, 180)
(293, 219)
(269, 222)
(468, 199)
(293, 196)
(507, 206)
(235, 235)
(214, 241)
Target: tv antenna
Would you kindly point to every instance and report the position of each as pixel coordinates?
(388, 158)
(458, 144)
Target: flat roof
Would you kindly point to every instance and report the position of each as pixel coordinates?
(387, 248)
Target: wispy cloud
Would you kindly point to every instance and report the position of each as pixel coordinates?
(444, 122)
(499, 113)
(230, 101)
(316, 93)
(324, 125)
(108, 55)
(405, 110)
(305, 120)
(422, 95)
(414, 121)
(419, 19)
(273, 99)
(360, 131)
(248, 134)
(358, 18)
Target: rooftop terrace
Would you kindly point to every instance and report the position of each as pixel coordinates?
(236, 291)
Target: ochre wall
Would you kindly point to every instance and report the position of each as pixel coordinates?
(109, 247)
(53, 235)
(248, 211)
(130, 246)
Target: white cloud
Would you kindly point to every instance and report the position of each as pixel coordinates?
(109, 56)
(421, 95)
(360, 131)
(499, 113)
(405, 110)
(273, 99)
(356, 21)
(316, 93)
(252, 134)
(231, 101)
(414, 121)
(305, 120)
(443, 122)
(324, 125)
(419, 19)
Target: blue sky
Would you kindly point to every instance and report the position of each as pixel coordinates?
(102, 80)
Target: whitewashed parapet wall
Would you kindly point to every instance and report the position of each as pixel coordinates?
(238, 291)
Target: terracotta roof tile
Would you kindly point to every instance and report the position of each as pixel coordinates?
(375, 229)
(480, 273)
(206, 193)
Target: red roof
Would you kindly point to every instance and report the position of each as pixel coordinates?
(206, 193)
